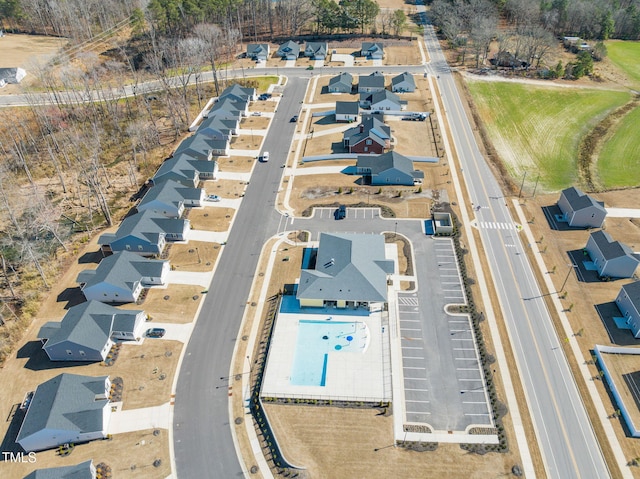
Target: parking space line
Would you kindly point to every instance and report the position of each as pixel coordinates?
(410, 329)
(415, 379)
(463, 349)
(413, 367)
(479, 391)
(467, 369)
(409, 389)
(470, 379)
(461, 339)
(410, 321)
(476, 414)
(412, 357)
(474, 402)
(412, 347)
(417, 401)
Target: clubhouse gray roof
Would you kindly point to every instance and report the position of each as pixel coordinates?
(123, 269)
(145, 225)
(378, 163)
(289, 47)
(610, 248)
(375, 80)
(344, 79)
(67, 402)
(347, 108)
(579, 200)
(633, 291)
(84, 470)
(350, 267)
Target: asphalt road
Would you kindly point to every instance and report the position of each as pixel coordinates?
(202, 434)
(564, 431)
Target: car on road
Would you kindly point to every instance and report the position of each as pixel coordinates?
(213, 198)
(341, 212)
(294, 118)
(265, 157)
(155, 333)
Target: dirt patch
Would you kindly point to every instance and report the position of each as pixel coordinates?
(255, 122)
(348, 441)
(174, 304)
(211, 219)
(226, 188)
(239, 164)
(194, 256)
(264, 106)
(402, 55)
(246, 142)
(140, 454)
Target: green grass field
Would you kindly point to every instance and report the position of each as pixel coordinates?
(538, 129)
(619, 160)
(626, 56)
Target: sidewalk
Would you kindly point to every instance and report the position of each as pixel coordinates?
(623, 212)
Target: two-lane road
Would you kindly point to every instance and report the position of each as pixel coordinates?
(568, 444)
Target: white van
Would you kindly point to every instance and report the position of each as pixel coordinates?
(265, 156)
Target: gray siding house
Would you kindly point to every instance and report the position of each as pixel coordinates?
(258, 51)
(372, 50)
(289, 50)
(347, 111)
(581, 210)
(121, 277)
(351, 270)
(628, 301)
(84, 470)
(384, 101)
(403, 83)
(342, 83)
(612, 258)
(316, 50)
(391, 168)
(66, 409)
(371, 83)
(218, 128)
(145, 233)
(88, 331)
(186, 170)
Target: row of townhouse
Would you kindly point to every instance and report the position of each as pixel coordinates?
(290, 50)
(374, 82)
(73, 408)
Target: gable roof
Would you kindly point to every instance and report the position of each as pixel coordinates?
(145, 225)
(228, 106)
(382, 95)
(185, 166)
(344, 79)
(374, 80)
(610, 248)
(12, 75)
(371, 128)
(89, 324)
(347, 108)
(372, 47)
(84, 470)
(289, 47)
(214, 123)
(67, 402)
(405, 77)
(197, 146)
(245, 93)
(170, 192)
(633, 291)
(257, 48)
(379, 163)
(123, 269)
(318, 48)
(579, 200)
(350, 267)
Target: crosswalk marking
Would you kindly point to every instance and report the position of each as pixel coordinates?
(497, 226)
(408, 301)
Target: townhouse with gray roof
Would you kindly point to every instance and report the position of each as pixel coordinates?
(186, 170)
(581, 210)
(239, 92)
(611, 258)
(628, 302)
(316, 50)
(342, 83)
(170, 198)
(84, 470)
(216, 127)
(372, 50)
(351, 271)
(403, 83)
(145, 233)
(121, 277)
(258, 51)
(371, 83)
(390, 168)
(68, 408)
(89, 330)
(289, 50)
(371, 136)
(229, 108)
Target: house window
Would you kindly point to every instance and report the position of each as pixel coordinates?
(69, 353)
(368, 142)
(128, 248)
(139, 247)
(366, 148)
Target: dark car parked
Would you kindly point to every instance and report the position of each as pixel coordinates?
(341, 212)
(155, 333)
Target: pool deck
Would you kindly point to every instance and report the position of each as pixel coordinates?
(351, 376)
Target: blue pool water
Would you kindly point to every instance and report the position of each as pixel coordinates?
(316, 340)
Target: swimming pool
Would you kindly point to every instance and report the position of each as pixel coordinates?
(319, 338)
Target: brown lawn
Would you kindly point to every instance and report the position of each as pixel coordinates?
(402, 55)
(241, 164)
(194, 256)
(246, 142)
(174, 304)
(211, 219)
(225, 188)
(255, 122)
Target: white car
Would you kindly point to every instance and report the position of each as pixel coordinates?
(265, 156)
(256, 113)
(213, 198)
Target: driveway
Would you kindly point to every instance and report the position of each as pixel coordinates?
(131, 420)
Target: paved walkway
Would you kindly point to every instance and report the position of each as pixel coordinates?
(315, 170)
(140, 419)
(623, 212)
(189, 277)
